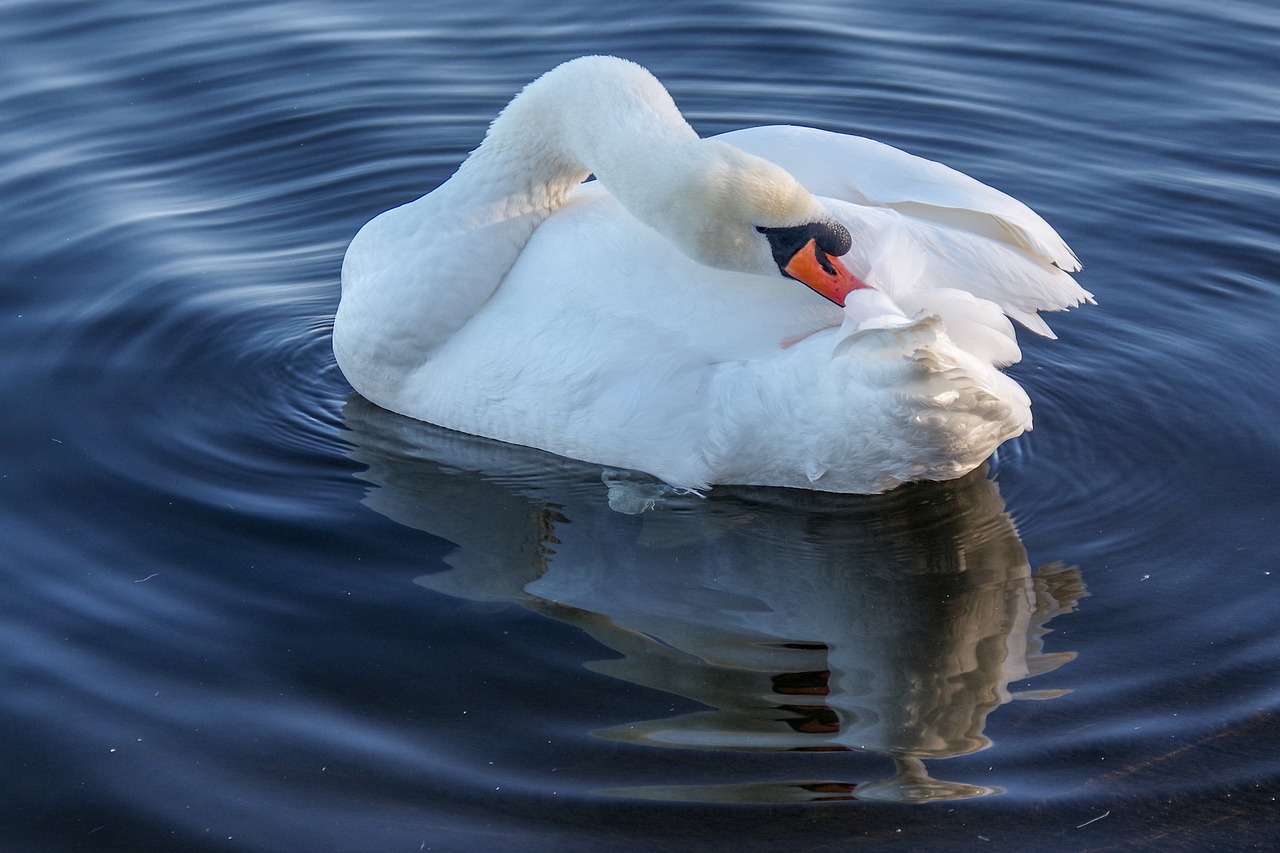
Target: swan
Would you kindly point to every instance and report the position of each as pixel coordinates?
(776, 306)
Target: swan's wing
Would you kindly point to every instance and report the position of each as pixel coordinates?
(863, 171)
(949, 209)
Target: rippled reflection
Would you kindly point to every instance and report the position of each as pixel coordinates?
(803, 621)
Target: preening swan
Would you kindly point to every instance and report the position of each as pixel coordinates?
(773, 306)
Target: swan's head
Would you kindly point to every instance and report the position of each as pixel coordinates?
(732, 210)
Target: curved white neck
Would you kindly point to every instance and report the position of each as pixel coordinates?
(595, 115)
(416, 274)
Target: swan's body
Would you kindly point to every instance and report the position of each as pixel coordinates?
(643, 321)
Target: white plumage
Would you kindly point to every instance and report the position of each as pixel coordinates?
(642, 320)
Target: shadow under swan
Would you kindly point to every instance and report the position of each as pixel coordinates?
(803, 621)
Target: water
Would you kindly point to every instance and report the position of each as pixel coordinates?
(244, 611)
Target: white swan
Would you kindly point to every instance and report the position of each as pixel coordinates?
(649, 319)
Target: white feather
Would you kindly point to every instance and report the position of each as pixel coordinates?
(640, 321)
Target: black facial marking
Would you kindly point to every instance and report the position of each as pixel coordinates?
(831, 237)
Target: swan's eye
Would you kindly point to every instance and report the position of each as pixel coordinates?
(831, 238)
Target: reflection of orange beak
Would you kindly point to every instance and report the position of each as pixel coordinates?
(823, 273)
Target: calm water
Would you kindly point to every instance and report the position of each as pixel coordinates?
(241, 610)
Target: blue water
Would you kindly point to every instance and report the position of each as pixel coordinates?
(241, 609)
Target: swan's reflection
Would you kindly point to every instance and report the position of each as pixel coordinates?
(803, 621)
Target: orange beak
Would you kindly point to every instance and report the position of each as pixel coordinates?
(823, 273)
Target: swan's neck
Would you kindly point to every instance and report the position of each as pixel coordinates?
(417, 274)
(596, 115)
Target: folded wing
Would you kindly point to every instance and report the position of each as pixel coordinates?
(927, 225)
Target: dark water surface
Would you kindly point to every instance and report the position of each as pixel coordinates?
(240, 610)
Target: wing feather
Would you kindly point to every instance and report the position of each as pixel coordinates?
(973, 236)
